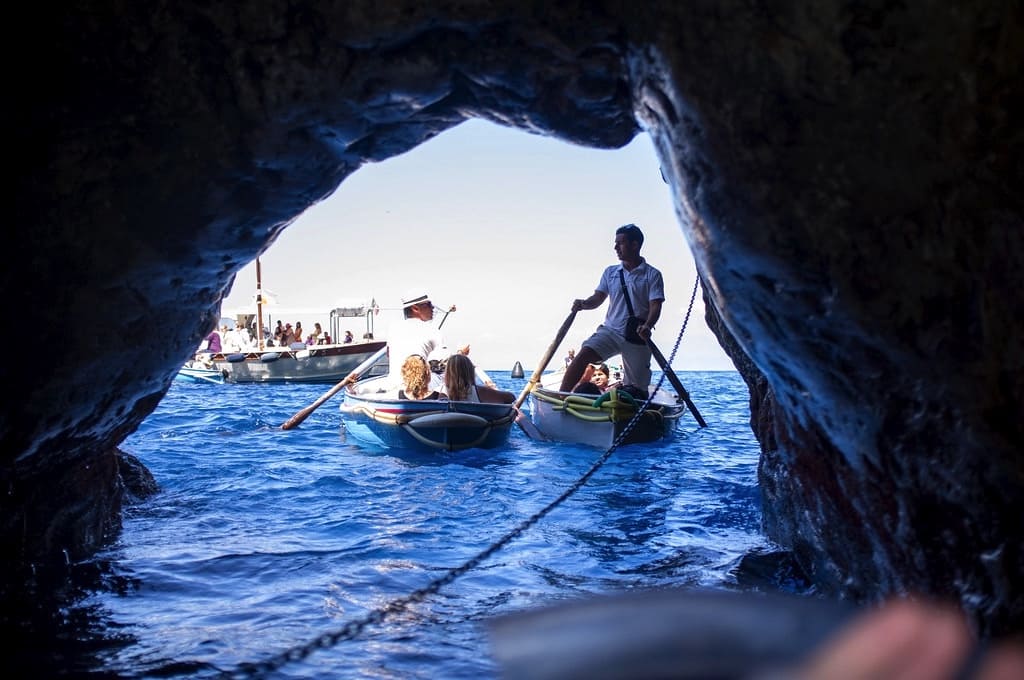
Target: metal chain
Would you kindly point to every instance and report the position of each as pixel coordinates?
(686, 320)
(353, 628)
(636, 416)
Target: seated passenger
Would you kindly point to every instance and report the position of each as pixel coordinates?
(416, 379)
(201, 360)
(586, 387)
(595, 380)
(460, 383)
(236, 340)
(317, 336)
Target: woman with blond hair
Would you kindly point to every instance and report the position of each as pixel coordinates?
(460, 383)
(416, 379)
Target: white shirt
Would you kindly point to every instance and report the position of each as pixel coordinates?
(644, 284)
(411, 336)
(236, 340)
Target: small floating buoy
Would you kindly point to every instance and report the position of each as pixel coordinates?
(517, 370)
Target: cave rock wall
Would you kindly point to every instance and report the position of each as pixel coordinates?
(848, 178)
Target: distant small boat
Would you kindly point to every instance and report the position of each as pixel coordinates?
(377, 417)
(299, 362)
(200, 375)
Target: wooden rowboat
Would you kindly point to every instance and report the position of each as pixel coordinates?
(600, 420)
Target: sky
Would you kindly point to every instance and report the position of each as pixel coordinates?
(508, 226)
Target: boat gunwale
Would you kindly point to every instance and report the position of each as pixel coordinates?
(314, 350)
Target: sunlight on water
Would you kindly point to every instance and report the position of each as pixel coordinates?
(262, 539)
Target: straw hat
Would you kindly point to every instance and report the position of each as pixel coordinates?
(414, 296)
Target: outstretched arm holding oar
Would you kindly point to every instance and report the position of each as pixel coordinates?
(349, 379)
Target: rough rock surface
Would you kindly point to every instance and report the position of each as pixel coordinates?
(849, 179)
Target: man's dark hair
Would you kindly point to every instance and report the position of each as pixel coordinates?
(632, 233)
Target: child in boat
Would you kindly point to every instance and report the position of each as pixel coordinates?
(460, 383)
(416, 379)
(596, 380)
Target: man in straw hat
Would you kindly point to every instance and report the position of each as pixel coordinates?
(415, 334)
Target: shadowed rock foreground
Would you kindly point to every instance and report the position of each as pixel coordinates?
(848, 177)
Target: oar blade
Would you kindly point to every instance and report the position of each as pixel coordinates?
(528, 428)
(676, 383)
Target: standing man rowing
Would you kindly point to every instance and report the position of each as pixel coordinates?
(632, 285)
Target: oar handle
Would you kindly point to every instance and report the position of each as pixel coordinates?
(546, 359)
(674, 379)
(445, 317)
(349, 379)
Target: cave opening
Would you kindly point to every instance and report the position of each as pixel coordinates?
(507, 226)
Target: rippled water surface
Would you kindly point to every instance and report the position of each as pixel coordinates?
(263, 540)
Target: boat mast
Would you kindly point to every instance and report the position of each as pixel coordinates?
(259, 307)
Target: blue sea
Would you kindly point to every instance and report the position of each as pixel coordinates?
(305, 554)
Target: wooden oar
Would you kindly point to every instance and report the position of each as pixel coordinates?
(349, 379)
(528, 428)
(552, 348)
(524, 423)
(445, 317)
(674, 379)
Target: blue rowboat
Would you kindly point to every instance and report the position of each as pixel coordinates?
(375, 415)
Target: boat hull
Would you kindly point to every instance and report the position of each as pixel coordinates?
(200, 375)
(313, 364)
(383, 421)
(599, 421)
